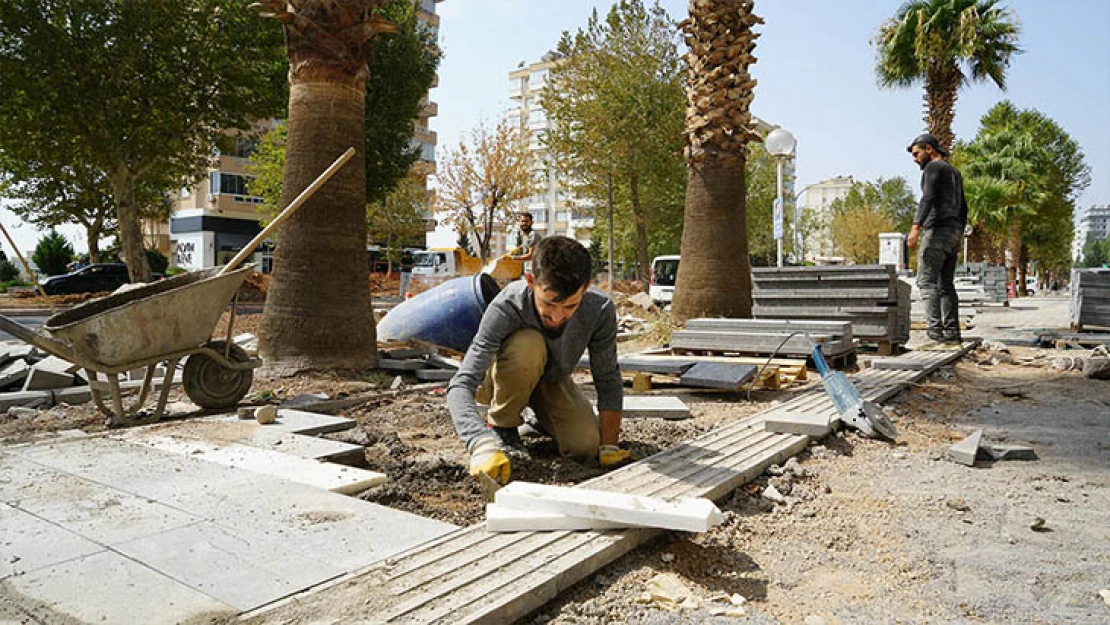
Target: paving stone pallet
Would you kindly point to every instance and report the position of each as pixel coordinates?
(473, 576)
(1090, 298)
(781, 343)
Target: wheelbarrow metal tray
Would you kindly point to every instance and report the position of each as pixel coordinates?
(156, 319)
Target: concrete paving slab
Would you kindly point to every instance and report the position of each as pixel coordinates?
(14, 372)
(309, 423)
(804, 423)
(250, 432)
(45, 379)
(964, 452)
(261, 537)
(665, 407)
(27, 543)
(104, 514)
(434, 375)
(394, 364)
(108, 587)
(324, 475)
(718, 375)
(245, 572)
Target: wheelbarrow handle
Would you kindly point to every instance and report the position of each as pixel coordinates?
(49, 344)
(289, 210)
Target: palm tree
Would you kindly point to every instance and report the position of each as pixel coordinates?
(714, 277)
(318, 310)
(946, 44)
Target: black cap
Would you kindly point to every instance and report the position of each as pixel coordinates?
(930, 140)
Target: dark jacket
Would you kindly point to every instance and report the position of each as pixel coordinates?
(942, 197)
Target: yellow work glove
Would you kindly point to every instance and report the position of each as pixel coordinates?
(612, 456)
(487, 457)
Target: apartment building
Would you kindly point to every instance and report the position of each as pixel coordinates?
(554, 208)
(216, 218)
(817, 206)
(1093, 225)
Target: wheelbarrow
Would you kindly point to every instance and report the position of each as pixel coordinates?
(158, 323)
(161, 323)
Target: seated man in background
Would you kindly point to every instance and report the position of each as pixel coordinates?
(528, 343)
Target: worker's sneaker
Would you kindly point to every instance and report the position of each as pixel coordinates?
(510, 441)
(952, 338)
(936, 337)
(531, 426)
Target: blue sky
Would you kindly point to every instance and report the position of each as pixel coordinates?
(815, 72)
(816, 77)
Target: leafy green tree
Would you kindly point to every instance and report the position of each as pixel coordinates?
(1096, 253)
(8, 271)
(762, 188)
(1023, 175)
(946, 44)
(136, 91)
(480, 180)
(157, 261)
(869, 209)
(398, 220)
(52, 254)
(615, 102)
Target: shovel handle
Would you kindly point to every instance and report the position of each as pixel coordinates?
(289, 210)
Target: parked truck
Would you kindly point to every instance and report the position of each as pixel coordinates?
(445, 262)
(451, 262)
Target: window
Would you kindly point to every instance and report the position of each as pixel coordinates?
(234, 184)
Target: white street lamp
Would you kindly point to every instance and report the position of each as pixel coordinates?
(780, 144)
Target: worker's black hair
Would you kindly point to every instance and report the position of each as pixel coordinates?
(561, 264)
(528, 215)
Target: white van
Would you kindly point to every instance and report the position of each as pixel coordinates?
(664, 270)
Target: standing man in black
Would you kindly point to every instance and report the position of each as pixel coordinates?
(942, 216)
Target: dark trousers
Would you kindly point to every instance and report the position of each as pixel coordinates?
(936, 271)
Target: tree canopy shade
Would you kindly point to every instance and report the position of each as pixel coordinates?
(946, 44)
(714, 278)
(615, 102)
(480, 181)
(318, 310)
(130, 94)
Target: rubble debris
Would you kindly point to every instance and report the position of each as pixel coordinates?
(773, 495)
(1097, 365)
(668, 592)
(999, 451)
(1038, 525)
(1105, 594)
(973, 447)
(958, 504)
(643, 300)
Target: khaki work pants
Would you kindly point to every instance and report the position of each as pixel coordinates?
(514, 381)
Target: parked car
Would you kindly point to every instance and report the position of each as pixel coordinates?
(89, 279)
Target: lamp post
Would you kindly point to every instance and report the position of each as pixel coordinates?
(780, 144)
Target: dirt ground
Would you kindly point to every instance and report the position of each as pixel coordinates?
(870, 532)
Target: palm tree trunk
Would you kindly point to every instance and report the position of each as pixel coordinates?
(941, 90)
(715, 272)
(318, 311)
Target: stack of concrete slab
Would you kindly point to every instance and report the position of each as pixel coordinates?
(989, 280)
(785, 337)
(422, 360)
(871, 297)
(1090, 298)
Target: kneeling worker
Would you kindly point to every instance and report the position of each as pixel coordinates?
(530, 339)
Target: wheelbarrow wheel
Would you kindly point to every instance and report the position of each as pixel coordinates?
(211, 385)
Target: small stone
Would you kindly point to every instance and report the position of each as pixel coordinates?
(246, 412)
(772, 494)
(266, 414)
(813, 619)
(928, 396)
(1105, 594)
(21, 412)
(1038, 525)
(958, 505)
(397, 383)
(667, 557)
(1097, 368)
(738, 599)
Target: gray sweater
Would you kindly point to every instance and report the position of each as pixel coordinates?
(593, 325)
